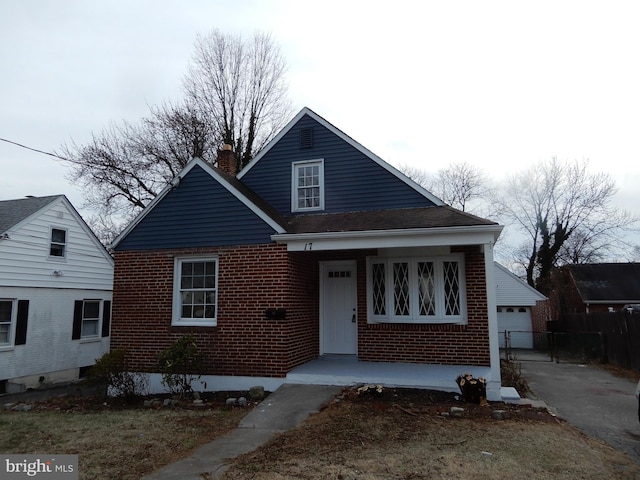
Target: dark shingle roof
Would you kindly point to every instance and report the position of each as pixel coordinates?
(392, 219)
(612, 282)
(13, 212)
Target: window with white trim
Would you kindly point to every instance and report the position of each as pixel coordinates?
(195, 300)
(7, 312)
(58, 245)
(307, 186)
(90, 318)
(416, 289)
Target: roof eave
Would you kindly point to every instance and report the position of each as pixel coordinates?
(413, 237)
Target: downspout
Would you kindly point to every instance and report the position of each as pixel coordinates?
(495, 382)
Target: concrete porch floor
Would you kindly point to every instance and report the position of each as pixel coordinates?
(348, 370)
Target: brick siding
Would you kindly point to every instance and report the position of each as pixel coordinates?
(254, 278)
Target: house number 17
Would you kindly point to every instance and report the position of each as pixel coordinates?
(308, 246)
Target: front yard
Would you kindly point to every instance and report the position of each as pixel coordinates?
(400, 434)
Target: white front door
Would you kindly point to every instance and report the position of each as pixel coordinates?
(338, 326)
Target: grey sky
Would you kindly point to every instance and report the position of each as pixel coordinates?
(500, 85)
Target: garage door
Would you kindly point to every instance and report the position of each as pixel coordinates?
(516, 321)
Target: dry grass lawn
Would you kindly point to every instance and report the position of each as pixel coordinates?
(401, 434)
(114, 441)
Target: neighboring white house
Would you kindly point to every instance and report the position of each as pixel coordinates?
(515, 300)
(56, 282)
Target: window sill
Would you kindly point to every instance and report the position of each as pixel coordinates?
(6, 348)
(213, 323)
(91, 340)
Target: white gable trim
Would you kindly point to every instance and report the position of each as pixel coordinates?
(77, 217)
(306, 111)
(176, 181)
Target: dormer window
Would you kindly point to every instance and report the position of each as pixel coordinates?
(308, 186)
(58, 246)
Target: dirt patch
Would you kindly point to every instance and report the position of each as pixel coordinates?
(405, 433)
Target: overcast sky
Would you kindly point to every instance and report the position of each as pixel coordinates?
(499, 85)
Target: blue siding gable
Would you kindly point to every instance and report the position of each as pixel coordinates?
(198, 212)
(352, 180)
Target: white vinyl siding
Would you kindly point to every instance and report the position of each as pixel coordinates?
(195, 291)
(307, 189)
(416, 290)
(26, 260)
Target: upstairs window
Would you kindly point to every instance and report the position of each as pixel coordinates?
(416, 290)
(308, 186)
(58, 246)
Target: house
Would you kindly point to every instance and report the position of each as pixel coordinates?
(600, 287)
(522, 311)
(319, 262)
(55, 293)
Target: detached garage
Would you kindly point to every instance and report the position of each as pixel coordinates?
(516, 301)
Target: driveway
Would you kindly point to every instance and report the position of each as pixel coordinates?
(600, 404)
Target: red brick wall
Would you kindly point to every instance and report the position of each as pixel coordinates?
(244, 342)
(254, 278)
(540, 313)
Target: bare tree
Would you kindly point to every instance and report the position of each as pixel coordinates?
(458, 185)
(240, 86)
(235, 93)
(565, 213)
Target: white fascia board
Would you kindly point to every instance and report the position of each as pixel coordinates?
(387, 166)
(418, 237)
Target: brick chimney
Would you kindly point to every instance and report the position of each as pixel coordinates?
(227, 160)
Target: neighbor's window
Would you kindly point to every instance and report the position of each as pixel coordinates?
(416, 290)
(90, 318)
(308, 186)
(196, 291)
(6, 312)
(58, 246)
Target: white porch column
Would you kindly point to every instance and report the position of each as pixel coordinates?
(494, 383)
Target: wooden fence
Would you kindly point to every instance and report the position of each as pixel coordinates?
(618, 333)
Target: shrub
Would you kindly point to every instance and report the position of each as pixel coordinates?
(112, 369)
(180, 365)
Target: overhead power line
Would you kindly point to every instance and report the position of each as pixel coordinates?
(34, 149)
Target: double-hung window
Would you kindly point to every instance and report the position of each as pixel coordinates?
(416, 289)
(6, 322)
(58, 244)
(195, 300)
(90, 318)
(308, 186)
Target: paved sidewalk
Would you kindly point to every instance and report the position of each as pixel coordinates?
(285, 408)
(590, 398)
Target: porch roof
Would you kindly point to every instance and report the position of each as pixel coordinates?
(390, 219)
(407, 227)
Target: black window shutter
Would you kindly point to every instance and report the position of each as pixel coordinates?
(22, 318)
(106, 318)
(77, 320)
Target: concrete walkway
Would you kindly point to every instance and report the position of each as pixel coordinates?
(590, 398)
(285, 408)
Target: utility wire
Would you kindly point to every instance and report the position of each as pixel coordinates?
(34, 149)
